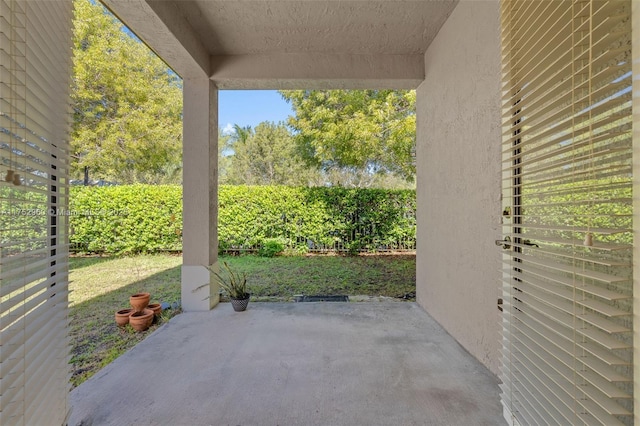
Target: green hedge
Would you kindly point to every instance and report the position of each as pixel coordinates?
(126, 219)
(142, 218)
(24, 218)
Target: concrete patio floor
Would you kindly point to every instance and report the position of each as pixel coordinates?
(294, 364)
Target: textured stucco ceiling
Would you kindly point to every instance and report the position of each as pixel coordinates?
(354, 27)
(290, 43)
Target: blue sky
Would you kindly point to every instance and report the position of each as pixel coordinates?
(245, 107)
(250, 107)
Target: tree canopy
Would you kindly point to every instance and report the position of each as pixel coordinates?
(127, 104)
(357, 131)
(263, 156)
(127, 123)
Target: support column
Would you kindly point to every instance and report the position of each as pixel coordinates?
(200, 194)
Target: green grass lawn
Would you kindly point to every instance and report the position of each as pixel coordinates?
(280, 278)
(102, 285)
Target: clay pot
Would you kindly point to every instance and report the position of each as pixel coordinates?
(156, 308)
(139, 301)
(140, 321)
(122, 317)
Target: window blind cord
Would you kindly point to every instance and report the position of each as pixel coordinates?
(11, 95)
(588, 237)
(578, 310)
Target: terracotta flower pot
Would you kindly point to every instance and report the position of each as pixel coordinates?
(156, 308)
(122, 317)
(139, 301)
(140, 321)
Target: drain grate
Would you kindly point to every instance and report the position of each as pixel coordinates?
(322, 298)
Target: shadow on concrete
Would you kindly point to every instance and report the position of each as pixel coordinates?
(294, 364)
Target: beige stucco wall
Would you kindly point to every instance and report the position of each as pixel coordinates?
(458, 161)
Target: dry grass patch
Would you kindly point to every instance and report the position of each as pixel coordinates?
(99, 287)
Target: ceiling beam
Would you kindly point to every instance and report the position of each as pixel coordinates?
(161, 25)
(317, 71)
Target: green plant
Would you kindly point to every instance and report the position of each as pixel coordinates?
(233, 283)
(271, 247)
(295, 251)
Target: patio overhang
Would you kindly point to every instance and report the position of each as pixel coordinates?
(290, 45)
(166, 32)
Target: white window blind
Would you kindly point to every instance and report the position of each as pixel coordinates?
(567, 160)
(35, 54)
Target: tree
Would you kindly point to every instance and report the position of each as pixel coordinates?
(358, 132)
(224, 155)
(127, 105)
(265, 155)
(241, 134)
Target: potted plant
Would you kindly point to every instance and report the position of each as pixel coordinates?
(234, 284)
